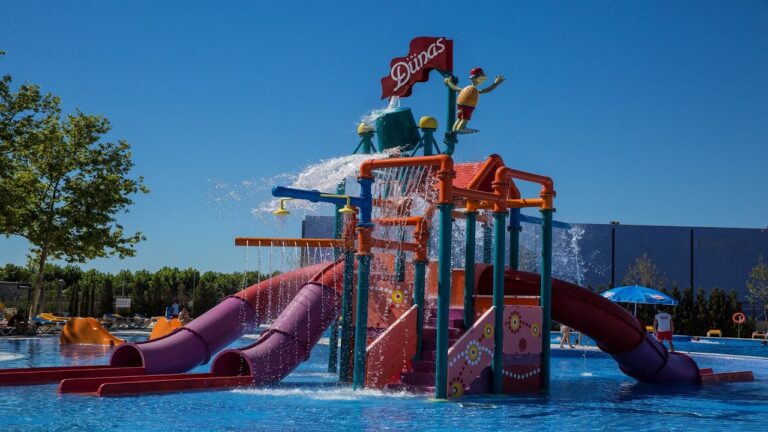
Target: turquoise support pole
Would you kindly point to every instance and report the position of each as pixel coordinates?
(487, 245)
(469, 270)
(546, 294)
(514, 238)
(345, 369)
(419, 282)
(443, 300)
(450, 140)
(497, 366)
(361, 320)
(366, 144)
(333, 338)
(426, 141)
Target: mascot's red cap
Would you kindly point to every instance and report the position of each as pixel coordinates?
(476, 72)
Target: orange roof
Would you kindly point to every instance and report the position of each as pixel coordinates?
(480, 174)
(465, 172)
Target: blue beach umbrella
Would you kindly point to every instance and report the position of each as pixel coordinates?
(639, 295)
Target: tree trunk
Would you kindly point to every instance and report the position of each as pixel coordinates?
(37, 284)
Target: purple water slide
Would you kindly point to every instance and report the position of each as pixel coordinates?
(198, 341)
(289, 340)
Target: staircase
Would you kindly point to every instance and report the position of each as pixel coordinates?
(421, 379)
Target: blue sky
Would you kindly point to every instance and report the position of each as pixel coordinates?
(646, 112)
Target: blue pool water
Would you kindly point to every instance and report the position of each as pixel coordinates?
(741, 347)
(588, 392)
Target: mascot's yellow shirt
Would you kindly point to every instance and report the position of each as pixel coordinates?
(468, 96)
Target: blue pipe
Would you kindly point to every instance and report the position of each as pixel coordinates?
(314, 196)
(537, 221)
(365, 202)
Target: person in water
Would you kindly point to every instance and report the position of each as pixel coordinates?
(468, 96)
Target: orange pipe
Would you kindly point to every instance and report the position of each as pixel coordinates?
(407, 221)
(525, 202)
(492, 159)
(505, 173)
(513, 203)
(287, 242)
(514, 192)
(420, 232)
(364, 240)
(446, 174)
(393, 244)
(474, 195)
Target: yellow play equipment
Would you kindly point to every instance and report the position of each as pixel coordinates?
(87, 331)
(164, 326)
(53, 318)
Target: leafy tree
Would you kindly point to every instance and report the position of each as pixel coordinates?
(644, 272)
(207, 293)
(62, 186)
(107, 297)
(718, 311)
(142, 282)
(23, 115)
(685, 308)
(757, 284)
(700, 313)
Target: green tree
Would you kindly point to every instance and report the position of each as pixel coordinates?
(207, 293)
(700, 317)
(142, 283)
(718, 311)
(107, 296)
(65, 184)
(757, 284)
(685, 309)
(644, 272)
(23, 114)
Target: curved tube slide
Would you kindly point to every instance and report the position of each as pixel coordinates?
(195, 343)
(616, 331)
(291, 337)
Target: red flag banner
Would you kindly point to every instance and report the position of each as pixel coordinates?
(425, 54)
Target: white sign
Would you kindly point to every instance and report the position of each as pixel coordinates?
(123, 302)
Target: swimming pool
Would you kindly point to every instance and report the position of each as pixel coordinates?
(588, 392)
(741, 347)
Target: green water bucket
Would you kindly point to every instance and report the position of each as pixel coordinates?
(397, 129)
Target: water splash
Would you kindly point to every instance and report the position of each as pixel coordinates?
(323, 176)
(334, 394)
(567, 258)
(6, 356)
(370, 118)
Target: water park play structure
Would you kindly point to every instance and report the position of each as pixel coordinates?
(481, 328)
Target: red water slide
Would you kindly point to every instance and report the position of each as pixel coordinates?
(616, 331)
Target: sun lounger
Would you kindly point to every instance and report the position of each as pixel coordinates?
(714, 332)
(45, 326)
(759, 335)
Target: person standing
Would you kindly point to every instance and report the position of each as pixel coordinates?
(663, 328)
(175, 309)
(566, 337)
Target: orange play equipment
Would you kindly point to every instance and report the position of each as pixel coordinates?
(87, 331)
(164, 327)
